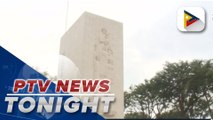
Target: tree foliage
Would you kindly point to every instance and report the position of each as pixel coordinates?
(180, 90)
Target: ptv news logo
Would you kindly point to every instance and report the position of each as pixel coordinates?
(191, 19)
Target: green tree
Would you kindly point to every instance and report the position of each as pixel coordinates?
(180, 90)
(136, 115)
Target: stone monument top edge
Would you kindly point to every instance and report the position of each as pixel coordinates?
(92, 14)
(83, 16)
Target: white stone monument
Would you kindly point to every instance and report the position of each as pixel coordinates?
(95, 46)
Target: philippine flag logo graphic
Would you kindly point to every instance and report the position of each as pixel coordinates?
(191, 19)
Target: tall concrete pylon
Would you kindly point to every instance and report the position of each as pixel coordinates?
(94, 44)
